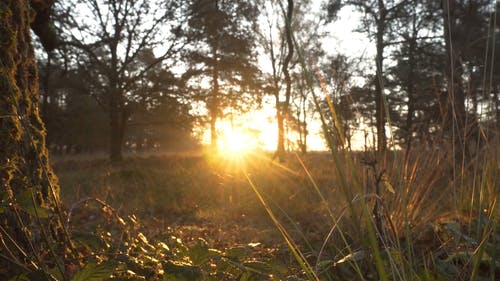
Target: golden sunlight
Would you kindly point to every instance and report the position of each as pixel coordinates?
(236, 141)
(257, 130)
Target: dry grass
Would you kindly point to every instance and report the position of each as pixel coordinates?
(425, 220)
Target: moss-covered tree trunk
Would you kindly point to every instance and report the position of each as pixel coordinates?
(29, 192)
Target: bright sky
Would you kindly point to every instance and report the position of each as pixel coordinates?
(259, 129)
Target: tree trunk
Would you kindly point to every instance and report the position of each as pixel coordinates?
(280, 150)
(302, 118)
(213, 106)
(497, 105)
(283, 108)
(348, 136)
(213, 131)
(303, 123)
(24, 165)
(116, 106)
(45, 84)
(455, 115)
(115, 143)
(118, 123)
(115, 128)
(410, 87)
(379, 83)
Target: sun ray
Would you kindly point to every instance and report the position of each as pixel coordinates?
(235, 141)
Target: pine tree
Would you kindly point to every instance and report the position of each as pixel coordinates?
(223, 33)
(377, 23)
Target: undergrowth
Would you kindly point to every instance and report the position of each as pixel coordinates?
(198, 218)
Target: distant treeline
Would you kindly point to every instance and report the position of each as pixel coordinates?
(132, 81)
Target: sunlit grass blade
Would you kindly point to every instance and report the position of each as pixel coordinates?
(478, 255)
(315, 185)
(304, 264)
(331, 106)
(372, 240)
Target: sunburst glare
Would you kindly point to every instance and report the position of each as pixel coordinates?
(236, 141)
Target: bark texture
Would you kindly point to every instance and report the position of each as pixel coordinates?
(28, 185)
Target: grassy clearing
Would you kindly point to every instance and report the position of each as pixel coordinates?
(428, 227)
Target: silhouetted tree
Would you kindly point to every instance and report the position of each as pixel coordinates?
(466, 26)
(78, 123)
(416, 80)
(380, 15)
(338, 71)
(109, 41)
(272, 40)
(284, 106)
(292, 105)
(223, 36)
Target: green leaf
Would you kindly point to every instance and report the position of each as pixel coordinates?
(246, 276)
(37, 275)
(178, 271)
(278, 266)
(259, 267)
(199, 252)
(26, 202)
(238, 253)
(228, 267)
(21, 277)
(89, 240)
(95, 272)
(138, 266)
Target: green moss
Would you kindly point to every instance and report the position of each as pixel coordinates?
(23, 161)
(4, 9)
(7, 36)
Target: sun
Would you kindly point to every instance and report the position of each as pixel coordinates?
(235, 141)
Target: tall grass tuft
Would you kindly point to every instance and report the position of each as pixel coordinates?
(402, 216)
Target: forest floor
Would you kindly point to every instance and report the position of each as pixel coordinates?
(195, 196)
